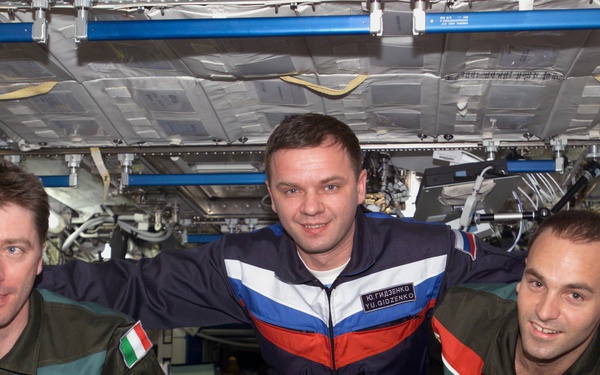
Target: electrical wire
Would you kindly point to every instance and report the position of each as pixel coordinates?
(562, 192)
(519, 203)
(551, 194)
(534, 185)
(533, 204)
(469, 207)
(145, 235)
(141, 234)
(90, 223)
(521, 224)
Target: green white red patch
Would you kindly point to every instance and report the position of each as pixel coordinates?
(134, 345)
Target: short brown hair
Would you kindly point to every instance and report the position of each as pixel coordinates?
(312, 130)
(24, 189)
(579, 226)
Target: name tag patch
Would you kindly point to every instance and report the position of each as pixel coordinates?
(387, 297)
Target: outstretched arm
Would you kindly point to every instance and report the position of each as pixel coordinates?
(177, 288)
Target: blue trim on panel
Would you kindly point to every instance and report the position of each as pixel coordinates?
(229, 28)
(196, 179)
(202, 238)
(55, 181)
(525, 20)
(531, 166)
(16, 32)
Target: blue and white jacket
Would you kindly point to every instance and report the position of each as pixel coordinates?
(374, 319)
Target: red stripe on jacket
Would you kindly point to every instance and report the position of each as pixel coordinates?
(354, 346)
(312, 346)
(349, 347)
(457, 355)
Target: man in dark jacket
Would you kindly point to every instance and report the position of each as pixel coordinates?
(547, 324)
(42, 332)
(328, 290)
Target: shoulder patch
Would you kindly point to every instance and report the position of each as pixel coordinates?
(466, 243)
(134, 345)
(277, 229)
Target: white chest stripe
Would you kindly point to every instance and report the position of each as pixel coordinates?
(313, 301)
(307, 299)
(346, 296)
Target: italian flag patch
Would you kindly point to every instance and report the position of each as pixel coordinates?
(134, 345)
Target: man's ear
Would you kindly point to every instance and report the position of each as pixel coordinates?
(40, 263)
(518, 287)
(361, 186)
(271, 195)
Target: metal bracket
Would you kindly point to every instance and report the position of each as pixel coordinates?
(376, 18)
(558, 145)
(419, 17)
(126, 161)
(81, 32)
(73, 162)
(251, 222)
(39, 31)
(491, 147)
(232, 224)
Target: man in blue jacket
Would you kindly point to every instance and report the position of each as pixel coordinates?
(328, 290)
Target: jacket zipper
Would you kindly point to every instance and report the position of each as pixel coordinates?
(328, 291)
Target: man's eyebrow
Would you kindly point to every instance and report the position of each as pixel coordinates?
(285, 184)
(578, 286)
(324, 181)
(581, 286)
(534, 273)
(12, 241)
(332, 178)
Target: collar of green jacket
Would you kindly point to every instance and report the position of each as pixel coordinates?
(23, 357)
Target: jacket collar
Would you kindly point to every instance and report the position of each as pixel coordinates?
(589, 362)
(290, 267)
(23, 357)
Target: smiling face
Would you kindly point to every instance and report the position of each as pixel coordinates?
(315, 192)
(20, 262)
(558, 301)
